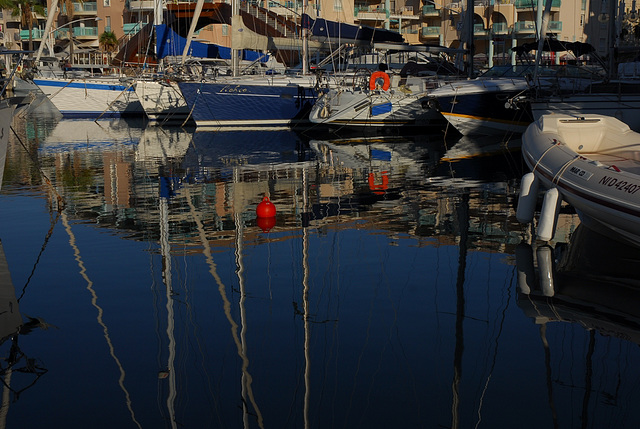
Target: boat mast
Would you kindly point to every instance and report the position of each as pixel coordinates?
(612, 39)
(192, 29)
(235, 13)
(47, 28)
(157, 20)
(305, 39)
(470, 46)
(544, 23)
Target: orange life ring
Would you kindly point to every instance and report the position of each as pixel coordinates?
(378, 188)
(379, 75)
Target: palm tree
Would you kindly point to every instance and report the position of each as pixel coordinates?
(108, 41)
(26, 10)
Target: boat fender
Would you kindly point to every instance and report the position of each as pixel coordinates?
(528, 198)
(544, 255)
(525, 267)
(326, 111)
(549, 214)
(379, 79)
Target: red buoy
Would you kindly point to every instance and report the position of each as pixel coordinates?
(266, 208)
(266, 223)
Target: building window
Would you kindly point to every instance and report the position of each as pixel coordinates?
(225, 29)
(337, 5)
(107, 25)
(106, 3)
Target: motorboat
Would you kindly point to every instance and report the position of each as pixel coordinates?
(592, 163)
(490, 104)
(590, 281)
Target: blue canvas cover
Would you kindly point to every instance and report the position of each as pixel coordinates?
(171, 44)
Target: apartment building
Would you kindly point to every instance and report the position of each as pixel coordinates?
(498, 25)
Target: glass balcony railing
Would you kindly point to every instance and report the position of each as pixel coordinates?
(499, 28)
(529, 4)
(85, 7)
(85, 31)
(131, 28)
(479, 29)
(36, 34)
(431, 31)
(555, 26)
(430, 10)
(524, 27)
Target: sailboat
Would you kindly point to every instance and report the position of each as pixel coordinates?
(275, 100)
(388, 98)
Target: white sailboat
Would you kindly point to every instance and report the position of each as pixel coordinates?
(388, 98)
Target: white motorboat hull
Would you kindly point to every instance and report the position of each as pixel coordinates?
(594, 163)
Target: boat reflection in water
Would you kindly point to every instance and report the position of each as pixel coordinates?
(383, 294)
(18, 371)
(583, 295)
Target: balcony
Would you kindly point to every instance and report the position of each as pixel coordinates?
(533, 4)
(36, 34)
(431, 32)
(85, 8)
(479, 30)
(554, 26)
(85, 32)
(524, 27)
(499, 28)
(141, 5)
(430, 10)
(132, 28)
(373, 12)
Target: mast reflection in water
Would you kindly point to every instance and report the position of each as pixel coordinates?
(391, 291)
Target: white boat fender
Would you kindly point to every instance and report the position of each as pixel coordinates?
(545, 270)
(325, 112)
(524, 265)
(528, 198)
(549, 214)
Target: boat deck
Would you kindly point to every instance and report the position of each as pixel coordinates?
(622, 160)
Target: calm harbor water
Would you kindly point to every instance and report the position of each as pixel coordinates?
(394, 289)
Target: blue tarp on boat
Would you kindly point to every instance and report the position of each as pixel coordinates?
(171, 44)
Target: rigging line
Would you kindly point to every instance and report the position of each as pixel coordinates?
(588, 378)
(44, 176)
(495, 351)
(549, 379)
(194, 105)
(44, 245)
(226, 303)
(94, 302)
(114, 100)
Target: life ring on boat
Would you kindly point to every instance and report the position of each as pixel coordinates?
(374, 82)
(378, 188)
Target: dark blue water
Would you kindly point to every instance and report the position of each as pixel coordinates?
(394, 289)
